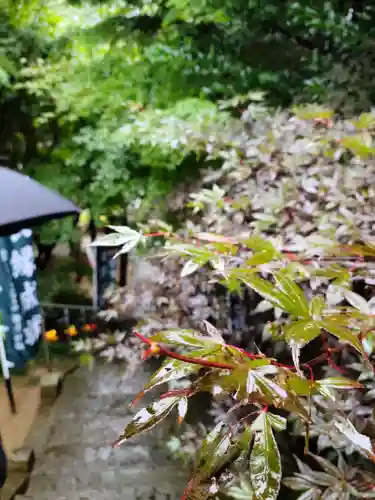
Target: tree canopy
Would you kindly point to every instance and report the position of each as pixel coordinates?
(92, 93)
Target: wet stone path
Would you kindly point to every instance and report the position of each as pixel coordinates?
(78, 462)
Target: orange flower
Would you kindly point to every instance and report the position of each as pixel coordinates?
(71, 331)
(154, 350)
(51, 336)
(89, 327)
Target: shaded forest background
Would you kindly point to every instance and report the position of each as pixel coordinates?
(92, 94)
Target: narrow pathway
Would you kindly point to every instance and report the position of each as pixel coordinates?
(79, 463)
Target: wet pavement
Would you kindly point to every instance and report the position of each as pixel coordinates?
(78, 462)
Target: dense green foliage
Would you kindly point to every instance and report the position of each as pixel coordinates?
(85, 87)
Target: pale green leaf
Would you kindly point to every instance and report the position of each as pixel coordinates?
(262, 257)
(338, 383)
(277, 422)
(328, 466)
(259, 244)
(268, 387)
(241, 492)
(189, 268)
(299, 334)
(362, 442)
(172, 369)
(184, 337)
(302, 332)
(316, 307)
(129, 245)
(182, 408)
(341, 332)
(213, 332)
(294, 293)
(311, 494)
(126, 231)
(357, 301)
(296, 352)
(265, 463)
(215, 238)
(268, 291)
(216, 449)
(114, 240)
(147, 418)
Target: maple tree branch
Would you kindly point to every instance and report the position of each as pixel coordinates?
(157, 349)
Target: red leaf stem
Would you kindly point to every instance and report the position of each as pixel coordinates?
(227, 366)
(187, 359)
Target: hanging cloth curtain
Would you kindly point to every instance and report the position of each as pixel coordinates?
(105, 274)
(19, 303)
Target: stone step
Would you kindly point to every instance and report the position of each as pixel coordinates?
(126, 494)
(77, 461)
(16, 484)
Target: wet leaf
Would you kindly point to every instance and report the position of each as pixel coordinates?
(260, 258)
(216, 450)
(244, 441)
(302, 332)
(210, 443)
(357, 146)
(250, 383)
(189, 268)
(294, 405)
(215, 238)
(341, 332)
(268, 291)
(241, 492)
(299, 483)
(125, 231)
(174, 369)
(268, 387)
(298, 335)
(129, 245)
(286, 295)
(213, 332)
(263, 363)
(327, 466)
(203, 254)
(300, 306)
(338, 383)
(124, 236)
(361, 441)
(277, 422)
(183, 338)
(147, 418)
(171, 369)
(357, 301)
(117, 239)
(182, 408)
(299, 385)
(311, 494)
(259, 244)
(232, 382)
(296, 352)
(265, 464)
(368, 343)
(316, 307)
